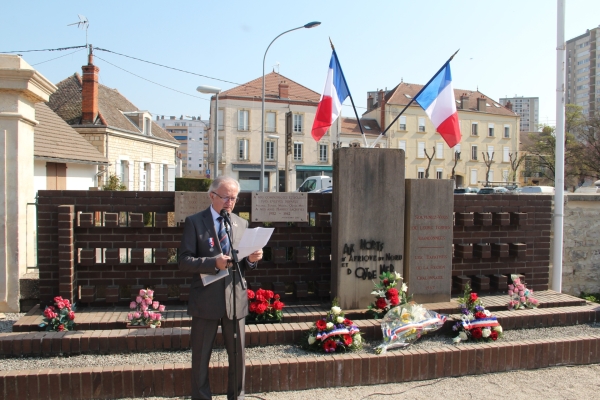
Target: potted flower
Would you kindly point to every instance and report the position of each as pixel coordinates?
(260, 308)
(476, 322)
(333, 334)
(59, 317)
(147, 311)
(388, 294)
(520, 296)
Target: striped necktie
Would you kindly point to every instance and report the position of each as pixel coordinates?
(223, 239)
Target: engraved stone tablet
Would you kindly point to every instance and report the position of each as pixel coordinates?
(368, 221)
(428, 235)
(279, 207)
(189, 203)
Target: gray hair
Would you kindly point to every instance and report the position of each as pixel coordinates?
(221, 180)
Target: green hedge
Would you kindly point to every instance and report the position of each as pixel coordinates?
(192, 184)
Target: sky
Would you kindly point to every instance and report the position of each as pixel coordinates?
(507, 48)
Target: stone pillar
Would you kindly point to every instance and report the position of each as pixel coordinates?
(368, 221)
(21, 87)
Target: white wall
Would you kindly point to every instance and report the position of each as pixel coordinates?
(79, 176)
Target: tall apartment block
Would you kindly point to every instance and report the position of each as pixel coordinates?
(190, 132)
(582, 61)
(528, 109)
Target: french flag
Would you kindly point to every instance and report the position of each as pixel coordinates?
(437, 99)
(335, 92)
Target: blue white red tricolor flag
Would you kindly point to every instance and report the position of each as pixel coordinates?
(437, 99)
(330, 105)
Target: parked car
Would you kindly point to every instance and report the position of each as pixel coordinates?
(493, 190)
(466, 190)
(326, 190)
(313, 183)
(536, 190)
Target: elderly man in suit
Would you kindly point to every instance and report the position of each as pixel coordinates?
(205, 249)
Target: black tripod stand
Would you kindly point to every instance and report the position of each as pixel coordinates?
(236, 267)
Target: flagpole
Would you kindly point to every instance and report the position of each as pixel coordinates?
(417, 95)
(349, 94)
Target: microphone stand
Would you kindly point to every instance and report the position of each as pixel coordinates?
(236, 266)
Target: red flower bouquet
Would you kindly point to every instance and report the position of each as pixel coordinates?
(333, 334)
(261, 309)
(387, 294)
(476, 322)
(59, 317)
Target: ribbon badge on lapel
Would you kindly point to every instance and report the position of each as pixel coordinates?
(211, 243)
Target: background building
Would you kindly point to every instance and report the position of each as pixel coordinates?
(190, 132)
(581, 71)
(486, 126)
(528, 109)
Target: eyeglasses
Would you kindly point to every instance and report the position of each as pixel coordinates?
(226, 199)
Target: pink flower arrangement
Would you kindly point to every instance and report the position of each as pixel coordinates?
(520, 296)
(147, 311)
(59, 317)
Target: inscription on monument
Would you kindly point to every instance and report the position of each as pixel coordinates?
(189, 203)
(279, 207)
(429, 228)
(357, 262)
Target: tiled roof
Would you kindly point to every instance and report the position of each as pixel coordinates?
(66, 102)
(253, 89)
(350, 126)
(54, 138)
(397, 96)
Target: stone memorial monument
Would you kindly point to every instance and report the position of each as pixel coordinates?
(428, 236)
(368, 221)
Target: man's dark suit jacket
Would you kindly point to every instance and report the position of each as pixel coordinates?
(196, 257)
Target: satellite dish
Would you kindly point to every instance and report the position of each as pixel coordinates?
(83, 23)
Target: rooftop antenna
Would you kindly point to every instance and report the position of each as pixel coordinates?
(276, 66)
(83, 24)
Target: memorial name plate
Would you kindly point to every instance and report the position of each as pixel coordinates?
(279, 207)
(190, 203)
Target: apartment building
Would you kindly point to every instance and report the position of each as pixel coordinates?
(528, 109)
(487, 128)
(239, 134)
(191, 133)
(583, 60)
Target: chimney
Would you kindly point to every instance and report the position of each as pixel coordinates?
(382, 108)
(464, 101)
(509, 105)
(284, 91)
(370, 102)
(481, 104)
(89, 91)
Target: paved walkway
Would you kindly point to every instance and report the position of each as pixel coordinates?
(577, 382)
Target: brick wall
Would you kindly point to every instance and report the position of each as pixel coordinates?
(114, 252)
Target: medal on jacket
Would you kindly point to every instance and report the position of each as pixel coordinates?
(211, 243)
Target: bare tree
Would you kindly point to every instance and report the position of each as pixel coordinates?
(429, 163)
(488, 163)
(515, 163)
(456, 160)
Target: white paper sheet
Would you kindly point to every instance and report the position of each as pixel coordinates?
(207, 279)
(254, 239)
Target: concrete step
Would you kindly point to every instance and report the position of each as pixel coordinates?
(273, 375)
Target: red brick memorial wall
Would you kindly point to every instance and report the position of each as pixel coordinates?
(100, 247)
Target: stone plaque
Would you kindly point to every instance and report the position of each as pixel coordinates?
(428, 234)
(368, 221)
(189, 203)
(279, 207)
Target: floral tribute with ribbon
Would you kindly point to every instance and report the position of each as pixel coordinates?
(147, 311)
(333, 334)
(388, 294)
(59, 317)
(520, 296)
(405, 324)
(261, 309)
(476, 322)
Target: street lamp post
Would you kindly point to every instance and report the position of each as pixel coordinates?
(262, 128)
(276, 160)
(215, 91)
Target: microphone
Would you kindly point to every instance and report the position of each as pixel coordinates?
(225, 216)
